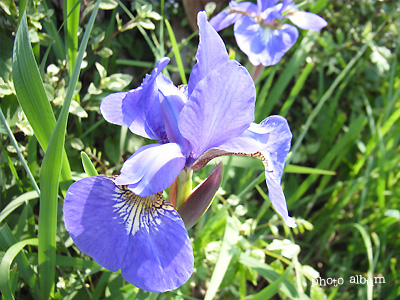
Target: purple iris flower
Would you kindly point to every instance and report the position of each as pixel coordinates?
(123, 222)
(259, 32)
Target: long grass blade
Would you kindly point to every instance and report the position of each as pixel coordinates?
(17, 202)
(72, 16)
(285, 78)
(6, 262)
(21, 157)
(368, 246)
(7, 239)
(272, 289)
(271, 275)
(176, 52)
(49, 179)
(32, 96)
(225, 255)
(324, 98)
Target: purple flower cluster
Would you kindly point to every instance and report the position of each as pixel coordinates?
(259, 30)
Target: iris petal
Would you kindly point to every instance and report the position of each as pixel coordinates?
(152, 168)
(144, 237)
(172, 102)
(268, 141)
(264, 45)
(224, 19)
(220, 107)
(111, 108)
(306, 20)
(141, 107)
(245, 6)
(262, 5)
(210, 53)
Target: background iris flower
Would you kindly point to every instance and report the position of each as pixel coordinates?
(123, 222)
(259, 31)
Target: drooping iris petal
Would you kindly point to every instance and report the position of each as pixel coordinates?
(152, 168)
(211, 52)
(220, 107)
(268, 141)
(111, 108)
(272, 136)
(264, 45)
(306, 20)
(275, 193)
(144, 237)
(141, 107)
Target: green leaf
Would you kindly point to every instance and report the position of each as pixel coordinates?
(49, 179)
(368, 246)
(90, 170)
(17, 202)
(306, 170)
(273, 288)
(32, 96)
(225, 255)
(175, 49)
(7, 239)
(271, 275)
(108, 4)
(72, 14)
(8, 258)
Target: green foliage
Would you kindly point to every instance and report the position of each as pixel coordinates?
(338, 88)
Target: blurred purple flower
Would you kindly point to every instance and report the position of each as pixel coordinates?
(259, 31)
(123, 222)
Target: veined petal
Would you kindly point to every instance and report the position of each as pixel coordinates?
(172, 102)
(144, 237)
(152, 168)
(306, 20)
(276, 195)
(111, 108)
(224, 19)
(262, 5)
(141, 107)
(268, 141)
(264, 45)
(230, 15)
(245, 6)
(211, 52)
(220, 107)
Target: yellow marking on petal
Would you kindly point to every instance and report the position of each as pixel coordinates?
(213, 153)
(139, 212)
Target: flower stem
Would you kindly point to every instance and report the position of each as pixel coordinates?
(184, 182)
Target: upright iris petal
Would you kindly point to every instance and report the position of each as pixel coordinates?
(259, 30)
(213, 113)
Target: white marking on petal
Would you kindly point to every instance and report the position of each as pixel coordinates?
(139, 212)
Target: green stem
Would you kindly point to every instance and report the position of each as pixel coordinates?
(184, 186)
(21, 157)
